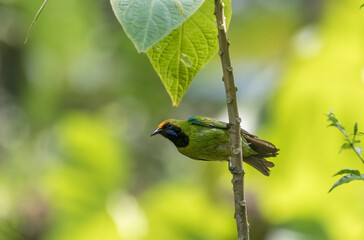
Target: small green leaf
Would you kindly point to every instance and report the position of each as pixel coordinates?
(361, 6)
(355, 128)
(331, 118)
(348, 171)
(186, 50)
(346, 146)
(346, 179)
(148, 21)
(335, 122)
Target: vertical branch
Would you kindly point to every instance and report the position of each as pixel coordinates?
(236, 161)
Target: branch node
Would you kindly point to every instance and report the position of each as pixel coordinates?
(242, 203)
(229, 99)
(236, 151)
(230, 69)
(220, 52)
(238, 119)
(234, 172)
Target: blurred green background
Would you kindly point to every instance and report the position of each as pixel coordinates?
(78, 104)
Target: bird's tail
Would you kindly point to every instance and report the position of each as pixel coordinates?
(259, 163)
(264, 149)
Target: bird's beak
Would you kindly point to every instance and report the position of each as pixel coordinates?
(158, 130)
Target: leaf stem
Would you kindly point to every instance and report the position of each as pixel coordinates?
(34, 20)
(352, 142)
(236, 161)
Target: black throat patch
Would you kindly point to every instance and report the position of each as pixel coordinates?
(179, 140)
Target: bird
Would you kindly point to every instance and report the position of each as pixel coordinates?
(205, 138)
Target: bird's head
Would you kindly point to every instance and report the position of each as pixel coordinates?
(170, 129)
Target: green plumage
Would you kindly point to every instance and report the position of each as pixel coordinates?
(204, 138)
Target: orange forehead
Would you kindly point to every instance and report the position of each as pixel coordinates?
(162, 124)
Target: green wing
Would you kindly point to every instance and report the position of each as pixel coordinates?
(213, 123)
(208, 122)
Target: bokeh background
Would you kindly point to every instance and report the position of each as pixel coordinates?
(78, 104)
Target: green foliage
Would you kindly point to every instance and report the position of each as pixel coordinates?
(186, 50)
(350, 171)
(147, 22)
(350, 141)
(183, 44)
(346, 179)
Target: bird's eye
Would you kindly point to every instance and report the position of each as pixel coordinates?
(167, 125)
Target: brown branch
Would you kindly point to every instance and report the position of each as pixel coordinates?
(236, 161)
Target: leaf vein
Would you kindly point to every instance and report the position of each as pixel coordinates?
(148, 22)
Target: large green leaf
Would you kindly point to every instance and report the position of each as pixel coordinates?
(148, 21)
(187, 49)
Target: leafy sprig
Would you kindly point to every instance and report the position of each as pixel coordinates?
(350, 142)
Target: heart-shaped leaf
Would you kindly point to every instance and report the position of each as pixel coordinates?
(148, 21)
(186, 50)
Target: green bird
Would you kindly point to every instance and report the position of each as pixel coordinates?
(204, 138)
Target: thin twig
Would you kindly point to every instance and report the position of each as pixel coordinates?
(236, 160)
(34, 20)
